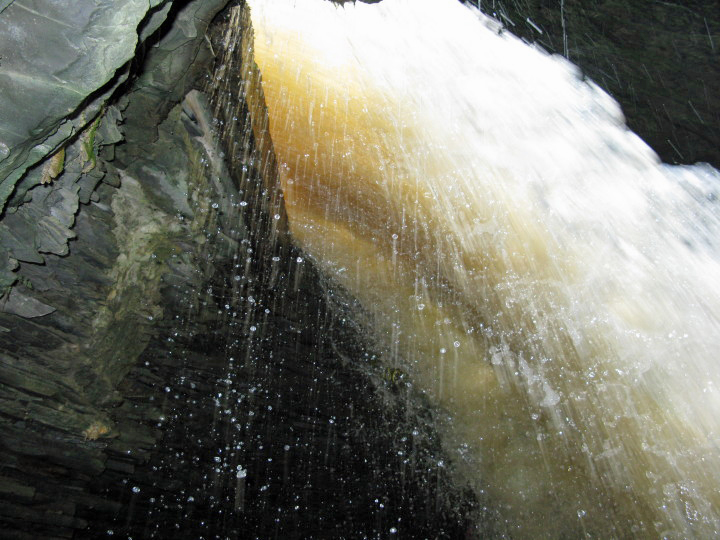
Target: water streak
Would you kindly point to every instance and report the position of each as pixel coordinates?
(542, 275)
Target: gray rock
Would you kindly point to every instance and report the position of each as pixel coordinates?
(171, 69)
(23, 305)
(8, 266)
(58, 53)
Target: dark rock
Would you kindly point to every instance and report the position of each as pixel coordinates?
(19, 303)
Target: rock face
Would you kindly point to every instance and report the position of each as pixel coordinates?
(62, 63)
(86, 251)
(167, 359)
(62, 53)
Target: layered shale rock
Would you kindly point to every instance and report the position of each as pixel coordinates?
(87, 251)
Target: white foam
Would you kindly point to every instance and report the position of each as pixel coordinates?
(592, 268)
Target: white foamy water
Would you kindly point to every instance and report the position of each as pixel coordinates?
(531, 263)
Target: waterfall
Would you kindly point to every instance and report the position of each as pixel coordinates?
(518, 252)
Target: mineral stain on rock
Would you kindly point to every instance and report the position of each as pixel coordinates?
(53, 167)
(96, 430)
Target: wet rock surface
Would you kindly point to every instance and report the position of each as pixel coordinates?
(269, 432)
(63, 406)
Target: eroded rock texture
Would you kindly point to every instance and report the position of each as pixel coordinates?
(87, 252)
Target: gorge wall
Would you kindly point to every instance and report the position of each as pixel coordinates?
(146, 284)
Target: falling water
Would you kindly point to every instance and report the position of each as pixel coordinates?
(526, 259)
